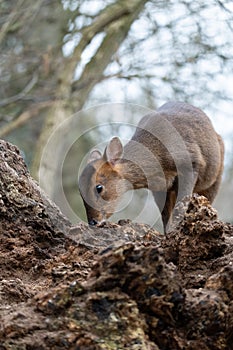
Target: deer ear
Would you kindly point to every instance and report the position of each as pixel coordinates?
(113, 151)
(94, 155)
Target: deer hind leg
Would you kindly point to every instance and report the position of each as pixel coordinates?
(210, 193)
(182, 186)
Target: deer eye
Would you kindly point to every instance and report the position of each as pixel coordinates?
(99, 188)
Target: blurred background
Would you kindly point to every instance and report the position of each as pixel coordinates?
(59, 57)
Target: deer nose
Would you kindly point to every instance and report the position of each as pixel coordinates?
(92, 222)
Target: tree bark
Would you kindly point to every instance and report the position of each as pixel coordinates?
(120, 286)
(22, 202)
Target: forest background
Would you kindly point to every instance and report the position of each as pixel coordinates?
(103, 58)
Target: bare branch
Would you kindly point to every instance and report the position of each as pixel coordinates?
(10, 20)
(22, 94)
(222, 5)
(23, 118)
(111, 14)
(115, 35)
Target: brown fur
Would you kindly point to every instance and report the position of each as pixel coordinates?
(173, 152)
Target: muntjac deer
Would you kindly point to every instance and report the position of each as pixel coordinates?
(174, 152)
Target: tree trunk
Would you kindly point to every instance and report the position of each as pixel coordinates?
(23, 203)
(115, 20)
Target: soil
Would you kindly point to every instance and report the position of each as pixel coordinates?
(119, 286)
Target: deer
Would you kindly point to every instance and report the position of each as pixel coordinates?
(174, 152)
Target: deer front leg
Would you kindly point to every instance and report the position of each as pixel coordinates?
(165, 202)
